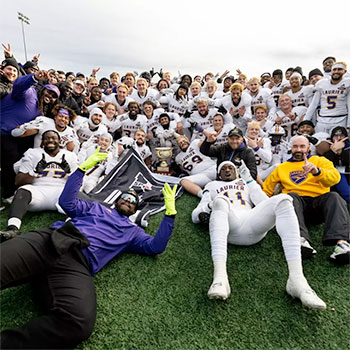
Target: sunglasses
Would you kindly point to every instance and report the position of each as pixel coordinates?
(129, 197)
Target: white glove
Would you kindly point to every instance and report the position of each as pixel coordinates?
(244, 172)
(17, 132)
(34, 124)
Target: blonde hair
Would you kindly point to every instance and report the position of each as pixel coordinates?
(123, 86)
(142, 79)
(254, 124)
(202, 100)
(254, 79)
(212, 82)
(260, 107)
(236, 86)
(195, 83)
(114, 75)
(140, 130)
(92, 79)
(284, 95)
(108, 104)
(182, 137)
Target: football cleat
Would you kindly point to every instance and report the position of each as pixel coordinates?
(307, 251)
(341, 254)
(306, 295)
(219, 290)
(204, 218)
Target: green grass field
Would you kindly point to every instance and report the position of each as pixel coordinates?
(161, 303)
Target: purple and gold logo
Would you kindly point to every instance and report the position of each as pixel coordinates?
(298, 176)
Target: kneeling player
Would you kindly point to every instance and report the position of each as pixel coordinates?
(234, 220)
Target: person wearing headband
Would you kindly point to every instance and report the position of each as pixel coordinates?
(63, 115)
(301, 95)
(240, 213)
(333, 100)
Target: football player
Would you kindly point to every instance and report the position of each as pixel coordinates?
(242, 214)
(333, 95)
(201, 169)
(41, 175)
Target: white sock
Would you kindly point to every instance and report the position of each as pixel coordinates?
(14, 222)
(220, 272)
(200, 194)
(296, 274)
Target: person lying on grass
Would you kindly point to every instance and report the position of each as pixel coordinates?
(63, 257)
(239, 212)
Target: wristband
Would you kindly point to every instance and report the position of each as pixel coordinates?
(318, 172)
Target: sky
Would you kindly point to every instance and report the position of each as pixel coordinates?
(193, 37)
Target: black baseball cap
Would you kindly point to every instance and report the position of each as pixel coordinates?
(235, 132)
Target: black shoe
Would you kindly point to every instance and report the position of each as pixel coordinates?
(307, 252)
(9, 233)
(204, 218)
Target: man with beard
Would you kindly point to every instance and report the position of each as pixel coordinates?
(333, 96)
(132, 120)
(201, 169)
(242, 214)
(300, 95)
(200, 119)
(234, 150)
(66, 98)
(236, 106)
(141, 148)
(61, 259)
(41, 175)
(308, 180)
(91, 127)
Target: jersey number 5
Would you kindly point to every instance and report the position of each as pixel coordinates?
(331, 100)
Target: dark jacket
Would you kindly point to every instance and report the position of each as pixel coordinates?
(5, 86)
(341, 160)
(225, 152)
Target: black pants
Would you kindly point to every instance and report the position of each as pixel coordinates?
(67, 287)
(12, 149)
(329, 209)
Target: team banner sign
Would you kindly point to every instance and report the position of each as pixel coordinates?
(132, 173)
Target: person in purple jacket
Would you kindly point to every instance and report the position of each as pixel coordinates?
(64, 257)
(22, 105)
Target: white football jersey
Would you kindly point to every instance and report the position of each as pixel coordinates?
(333, 98)
(263, 97)
(193, 161)
(222, 137)
(151, 94)
(129, 126)
(291, 126)
(263, 156)
(277, 91)
(113, 98)
(44, 124)
(112, 125)
(52, 174)
(173, 105)
(236, 191)
(84, 132)
(144, 151)
(232, 115)
(303, 97)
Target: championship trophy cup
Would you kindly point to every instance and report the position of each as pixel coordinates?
(163, 153)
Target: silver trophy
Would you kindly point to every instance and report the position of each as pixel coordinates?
(163, 153)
